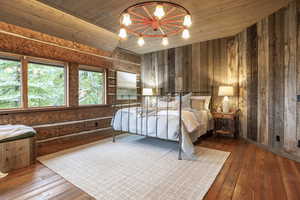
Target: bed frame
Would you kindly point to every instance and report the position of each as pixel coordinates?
(134, 100)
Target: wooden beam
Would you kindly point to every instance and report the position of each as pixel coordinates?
(24, 72)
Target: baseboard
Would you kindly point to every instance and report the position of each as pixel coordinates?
(273, 150)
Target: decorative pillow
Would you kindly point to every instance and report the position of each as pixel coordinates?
(198, 104)
(207, 102)
(165, 104)
(201, 101)
(186, 100)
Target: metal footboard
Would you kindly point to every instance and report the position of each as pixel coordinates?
(142, 102)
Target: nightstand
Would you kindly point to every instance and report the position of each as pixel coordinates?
(226, 123)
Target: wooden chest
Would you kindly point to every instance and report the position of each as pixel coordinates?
(17, 154)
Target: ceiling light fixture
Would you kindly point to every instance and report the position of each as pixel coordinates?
(185, 34)
(126, 19)
(141, 41)
(123, 33)
(165, 41)
(187, 21)
(155, 19)
(159, 11)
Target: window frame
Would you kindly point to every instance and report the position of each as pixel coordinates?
(19, 58)
(53, 63)
(90, 68)
(25, 60)
(136, 82)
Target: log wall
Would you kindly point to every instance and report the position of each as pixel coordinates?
(75, 123)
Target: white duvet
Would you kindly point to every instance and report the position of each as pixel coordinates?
(194, 124)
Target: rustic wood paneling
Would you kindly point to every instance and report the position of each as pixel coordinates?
(200, 67)
(252, 82)
(290, 73)
(263, 63)
(273, 80)
(278, 93)
(242, 91)
(263, 80)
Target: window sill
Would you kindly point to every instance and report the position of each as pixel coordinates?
(47, 109)
(93, 106)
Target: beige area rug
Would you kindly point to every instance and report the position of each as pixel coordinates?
(137, 168)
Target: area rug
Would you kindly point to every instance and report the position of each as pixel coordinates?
(137, 168)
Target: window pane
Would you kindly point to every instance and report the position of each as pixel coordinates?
(10, 84)
(126, 86)
(46, 85)
(91, 87)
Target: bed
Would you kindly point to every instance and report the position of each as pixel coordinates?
(183, 118)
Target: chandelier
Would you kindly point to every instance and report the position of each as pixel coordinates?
(155, 19)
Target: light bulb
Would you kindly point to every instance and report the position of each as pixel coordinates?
(159, 11)
(141, 41)
(187, 21)
(123, 33)
(126, 19)
(185, 34)
(165, 41)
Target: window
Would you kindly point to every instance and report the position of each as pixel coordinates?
(126, 86)
(91, 87)
(10, 83)
(46, 85)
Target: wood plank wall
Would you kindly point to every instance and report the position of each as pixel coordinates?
(271, 114)
(200, 67)
(262, 62)
(77, 123)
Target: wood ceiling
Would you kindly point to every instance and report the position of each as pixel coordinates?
(211, 19)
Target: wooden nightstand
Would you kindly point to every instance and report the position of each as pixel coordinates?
(226, 123)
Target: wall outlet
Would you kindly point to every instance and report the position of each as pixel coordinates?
(277, 138)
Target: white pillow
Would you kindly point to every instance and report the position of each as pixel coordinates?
(186, 100)
(206, 100)
(164, 104)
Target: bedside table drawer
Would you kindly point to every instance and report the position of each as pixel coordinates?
(224, 115)
(223, 124)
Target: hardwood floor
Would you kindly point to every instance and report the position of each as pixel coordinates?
(249, 173)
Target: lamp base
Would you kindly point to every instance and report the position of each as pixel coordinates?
(225, 105)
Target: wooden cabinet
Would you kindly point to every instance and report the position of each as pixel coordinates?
(226, 123)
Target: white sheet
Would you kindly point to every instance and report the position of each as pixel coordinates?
(158, 126)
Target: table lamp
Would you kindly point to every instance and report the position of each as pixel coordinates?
(225, 91)
(147, 91)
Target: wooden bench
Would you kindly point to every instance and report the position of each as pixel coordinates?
(17, 152)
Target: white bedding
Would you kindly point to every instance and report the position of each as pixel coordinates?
(196, 123)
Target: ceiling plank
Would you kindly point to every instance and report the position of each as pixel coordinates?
(211, 19)
(46, 19)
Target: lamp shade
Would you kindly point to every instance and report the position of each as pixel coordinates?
(147, 91)
(225, 91)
